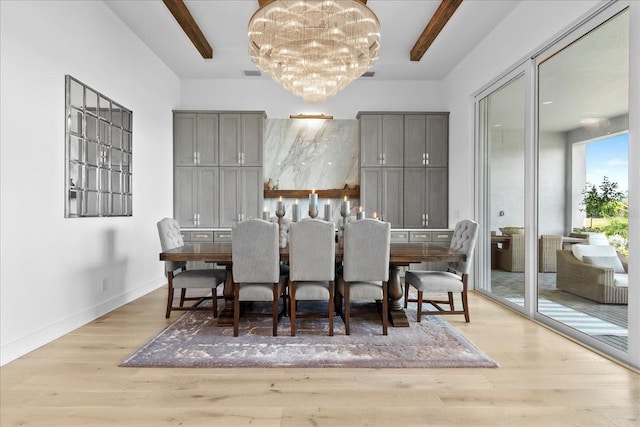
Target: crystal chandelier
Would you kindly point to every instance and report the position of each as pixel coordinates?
(314, 48)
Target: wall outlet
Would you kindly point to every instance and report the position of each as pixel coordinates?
(104, 284)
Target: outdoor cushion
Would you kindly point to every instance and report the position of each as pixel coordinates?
(579, 251)
(621, 280)
(605, 261)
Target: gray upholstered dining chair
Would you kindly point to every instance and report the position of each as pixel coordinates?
(256, 268)
(365, 269)
(171, 238)
(312, 254)
(453, 280)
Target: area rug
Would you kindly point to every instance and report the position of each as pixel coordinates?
(195, 341)
(583, 322)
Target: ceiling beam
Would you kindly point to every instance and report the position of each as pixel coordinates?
(190, 27)
(436, 24)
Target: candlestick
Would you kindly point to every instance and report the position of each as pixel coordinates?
(360, 213)
(266, 214)
(327, 211)
(280, 204)
(295, 212)
(280, 213)
(313, 204)
(345, 209)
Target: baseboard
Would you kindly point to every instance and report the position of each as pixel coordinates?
(26, 344)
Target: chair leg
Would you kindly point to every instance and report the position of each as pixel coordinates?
(276, 299)
(214, 301)
(183, 294)
(406, 294)
(419, 312)
(347, 309)
(169, 294)
(451, 305)
(385, 307)
(465, 306)
(331, 302)
(236, 308)
(292, 308)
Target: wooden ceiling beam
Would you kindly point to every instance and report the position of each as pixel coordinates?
(436, 24)
(190, 27)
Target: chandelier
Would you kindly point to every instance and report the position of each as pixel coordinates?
(314, 48)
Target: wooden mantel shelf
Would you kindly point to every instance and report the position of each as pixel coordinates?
(322, 194)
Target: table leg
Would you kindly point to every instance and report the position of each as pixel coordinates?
(397, 316)
(225, 318)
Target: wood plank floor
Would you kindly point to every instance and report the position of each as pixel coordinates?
(544, 379)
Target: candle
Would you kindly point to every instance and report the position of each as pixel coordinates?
(375, 215)
(360, 213)
(280, 204)
(313, 201)
(327, 211)
(296, 212)
(346, 207)
(265, 214)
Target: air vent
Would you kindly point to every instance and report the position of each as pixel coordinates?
(368, 74)
(252, 73)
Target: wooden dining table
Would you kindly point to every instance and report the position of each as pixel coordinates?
(401, 255)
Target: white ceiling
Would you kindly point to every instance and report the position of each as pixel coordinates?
(224, 24)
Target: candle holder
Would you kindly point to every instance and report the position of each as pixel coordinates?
(280, 212)
(313, 214)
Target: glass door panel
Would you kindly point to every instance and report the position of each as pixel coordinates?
(583, 183)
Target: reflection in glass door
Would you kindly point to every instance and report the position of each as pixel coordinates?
(501, 120)
(583, 122)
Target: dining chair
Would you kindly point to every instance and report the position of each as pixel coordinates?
(365, 269)
(312, 254)
(256, 268)
(171, 238)
(455, 279)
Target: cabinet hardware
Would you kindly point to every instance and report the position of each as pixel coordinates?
(443, 236)
(427, 159)
(202, 236)
(224, 236)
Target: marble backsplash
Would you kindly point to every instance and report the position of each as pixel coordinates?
(311, 153)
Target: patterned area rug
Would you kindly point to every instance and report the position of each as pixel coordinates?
(194, 341)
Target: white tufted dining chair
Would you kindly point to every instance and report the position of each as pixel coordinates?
(453, 280)
(171, 238)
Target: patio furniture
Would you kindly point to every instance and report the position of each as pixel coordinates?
(595, 272)
(548, 245)
(511, 256)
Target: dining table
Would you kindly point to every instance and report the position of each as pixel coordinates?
(400, 255)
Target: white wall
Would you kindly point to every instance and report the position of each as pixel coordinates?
(264, 94)
(526, 28)
(57, 273)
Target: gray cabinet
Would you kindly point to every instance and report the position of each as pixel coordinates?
(426, 140)
(241, 194)
(241, 136)
(381, 140)
(414, 147)
(195, 137)
(381, 192)
(195, 196)
(426, 198)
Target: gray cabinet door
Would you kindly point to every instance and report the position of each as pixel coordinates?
(414, 139)
(436, 202)
(184, 139)
(230, 137)
(207, 139)
(392, 208)
(437, 140)
(382, 193)
(251, 139)
(241, 194)
(241, 138)
(184, 196)
(195, 196)
(370, 144)
(392, 140)
(415, 188)
(381, 140)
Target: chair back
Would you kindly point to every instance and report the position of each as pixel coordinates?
(312, 250)
(170, 238)
(255, 252)
(464, 239)
(366, 250)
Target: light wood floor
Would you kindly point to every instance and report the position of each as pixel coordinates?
(544, 380)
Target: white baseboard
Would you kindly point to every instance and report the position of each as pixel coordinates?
(26, 344)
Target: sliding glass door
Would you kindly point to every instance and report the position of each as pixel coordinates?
(583, 156)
